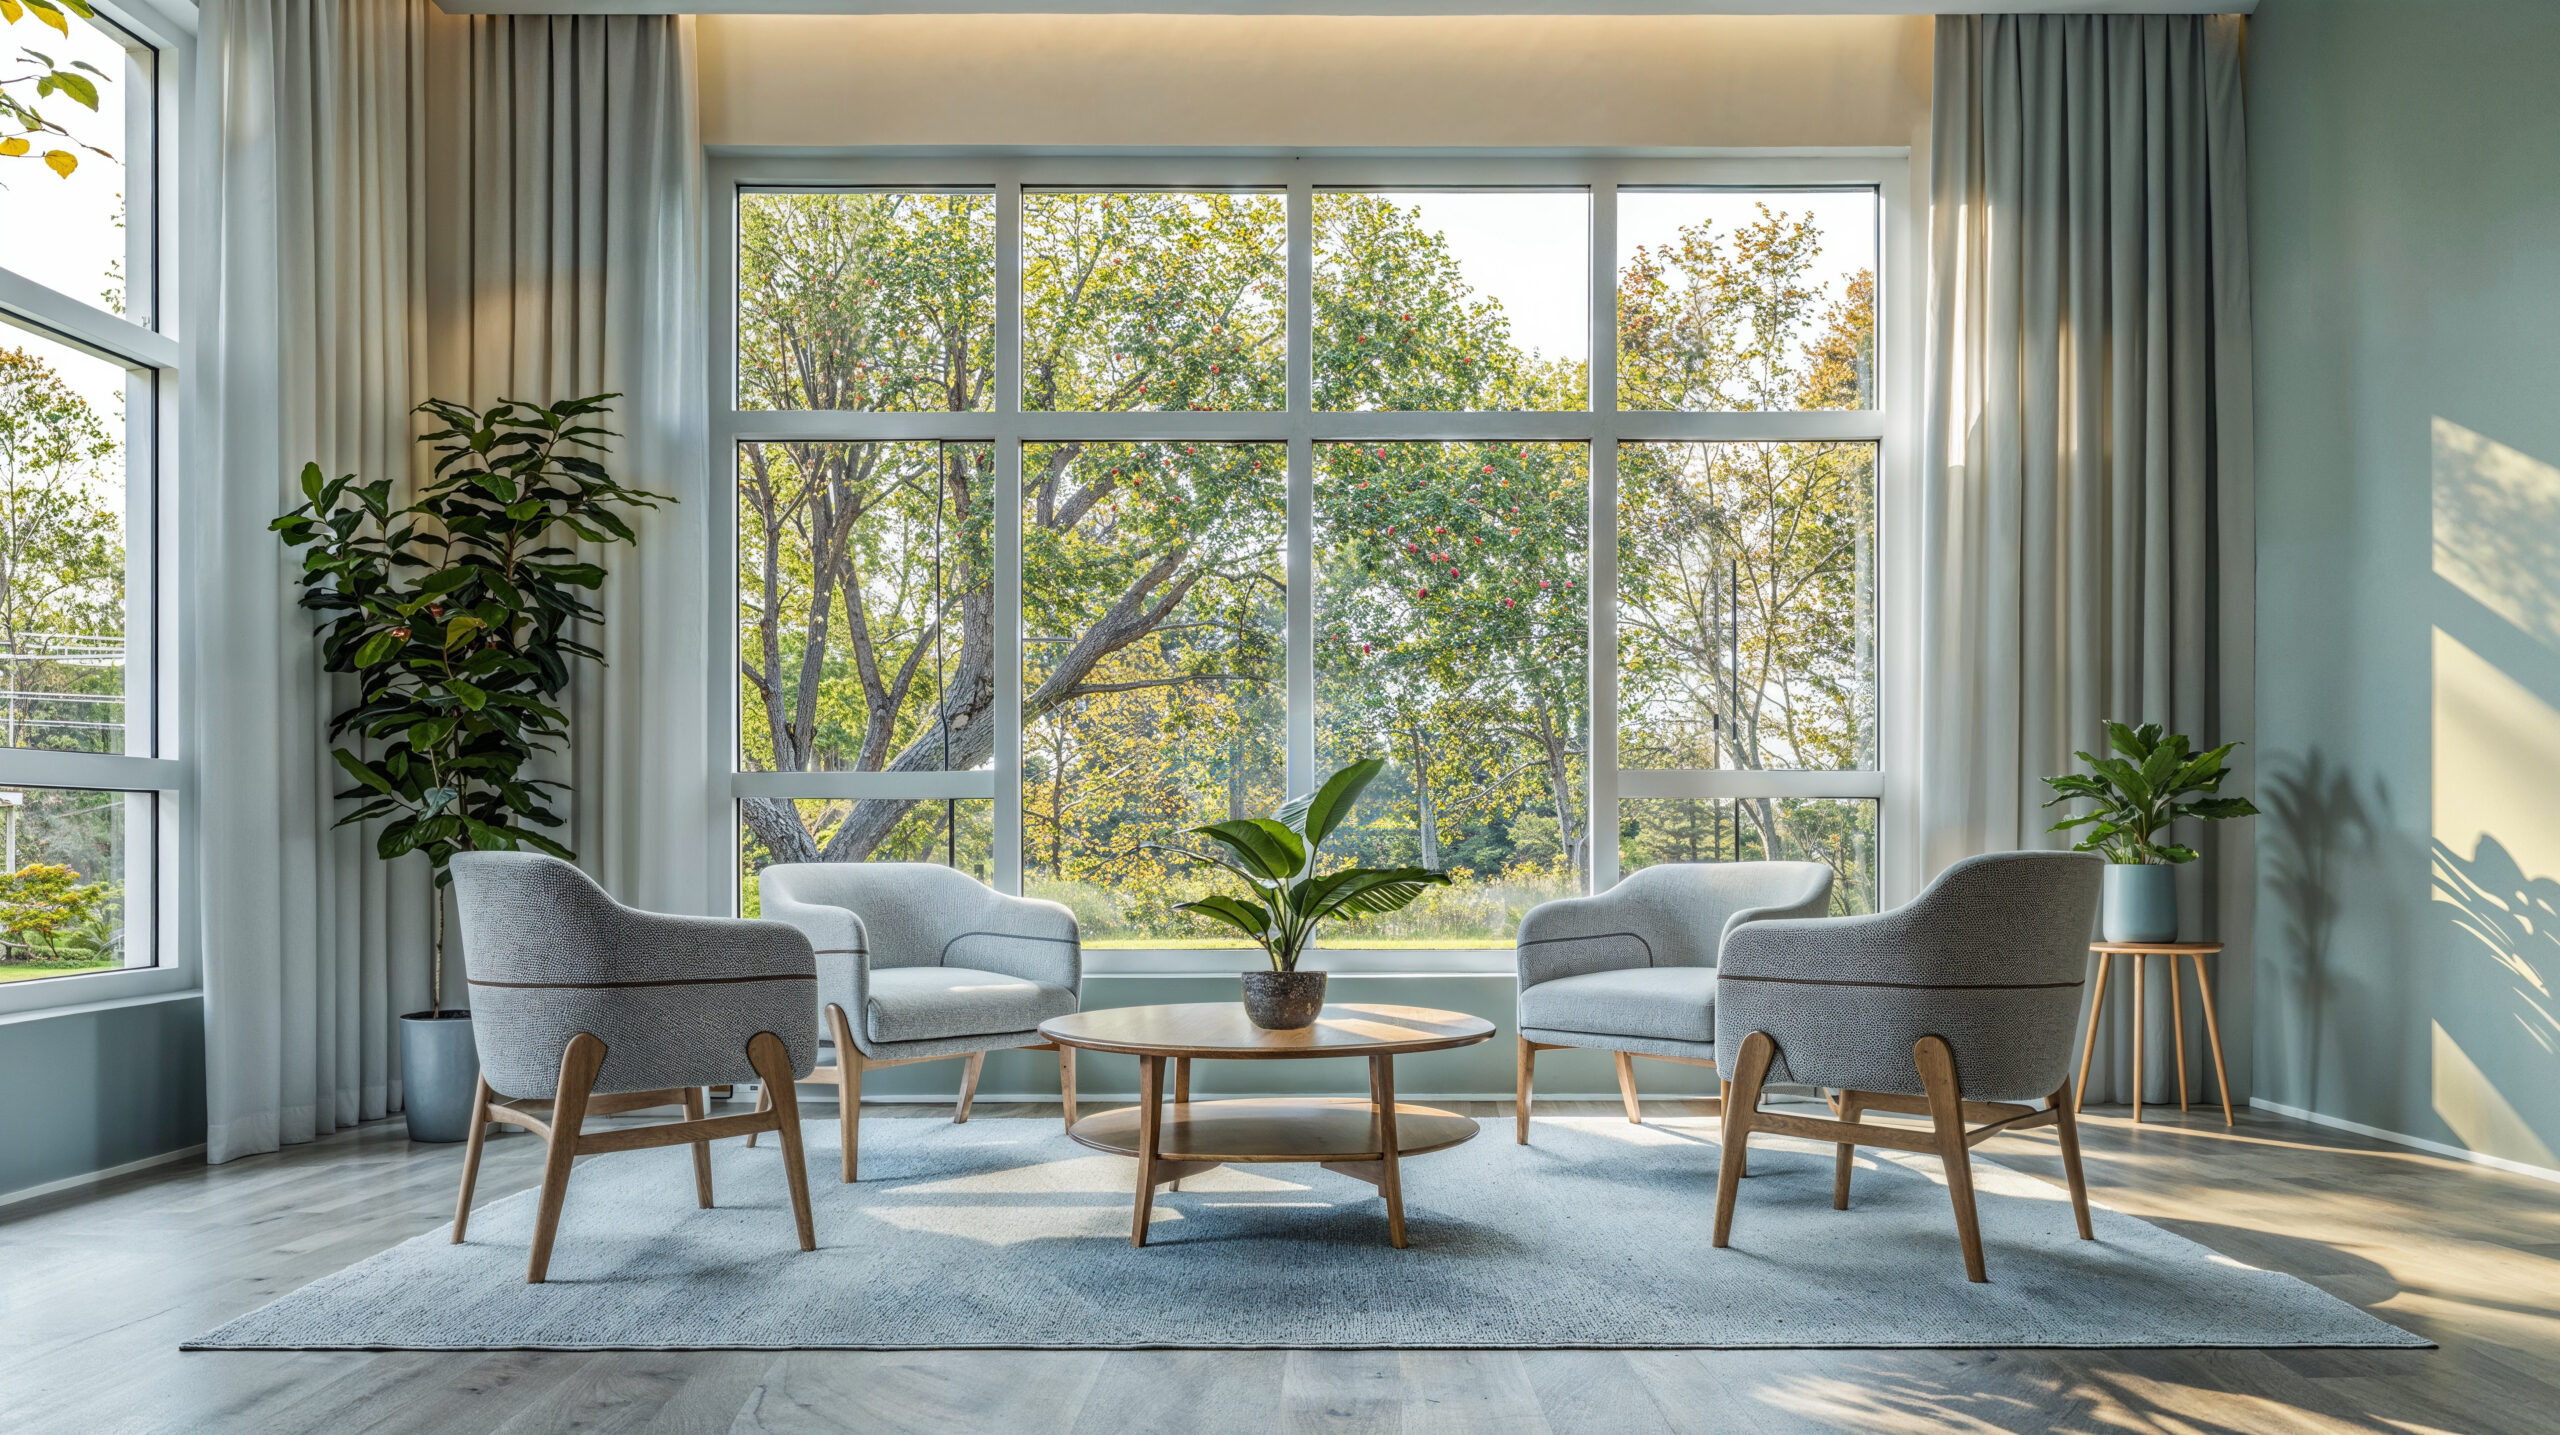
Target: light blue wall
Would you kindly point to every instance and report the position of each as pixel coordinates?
(2405, 214)
(89, 1091)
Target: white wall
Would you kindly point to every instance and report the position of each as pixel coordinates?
(1156, 81)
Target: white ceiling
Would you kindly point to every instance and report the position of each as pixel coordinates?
(1341, 7)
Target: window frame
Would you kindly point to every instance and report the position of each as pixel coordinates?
(1891, 425)
(154, 767)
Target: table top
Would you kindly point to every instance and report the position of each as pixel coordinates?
(1220, 1030)
(2155, 949)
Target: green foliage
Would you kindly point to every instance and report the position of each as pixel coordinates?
(23, 125)
(62, 542)
(2152, 781)
(1276, 856)
(48, 915)
(454, 613)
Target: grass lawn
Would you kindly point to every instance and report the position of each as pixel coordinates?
(30, 971)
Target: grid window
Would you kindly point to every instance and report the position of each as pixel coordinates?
(1270, 467)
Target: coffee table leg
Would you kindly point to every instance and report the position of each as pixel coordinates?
(1382, 1087)
(1150, 1128)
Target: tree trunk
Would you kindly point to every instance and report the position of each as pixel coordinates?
(1426, 816)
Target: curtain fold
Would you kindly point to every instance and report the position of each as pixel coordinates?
(2085, 461)
(315, 324)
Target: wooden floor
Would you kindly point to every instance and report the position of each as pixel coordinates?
(97, 1290)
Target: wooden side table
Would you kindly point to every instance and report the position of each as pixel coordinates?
(2141, 952)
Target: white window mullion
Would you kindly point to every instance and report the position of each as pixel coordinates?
(1007, 835)
(1600, 768)
(1301, 649)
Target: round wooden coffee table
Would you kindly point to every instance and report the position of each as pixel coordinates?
(1363, 1139)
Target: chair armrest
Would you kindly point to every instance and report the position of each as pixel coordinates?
(1575, 936)
(1021, 937)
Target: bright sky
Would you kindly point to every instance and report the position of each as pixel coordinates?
(1530, 250)
(62, 233)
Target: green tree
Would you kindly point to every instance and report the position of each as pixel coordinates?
(61, 563)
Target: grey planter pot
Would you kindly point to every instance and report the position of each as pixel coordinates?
(439, 1074)
(2141, 903)
(1283, 1001)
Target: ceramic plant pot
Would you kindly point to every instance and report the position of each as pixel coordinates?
(439, 1074)
(1283, 1001)
(2141, 903)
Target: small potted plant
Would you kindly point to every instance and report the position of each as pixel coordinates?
(1286, 899)
(2154, 779)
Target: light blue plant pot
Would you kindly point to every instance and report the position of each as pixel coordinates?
(439, 1074)
(2141, 903)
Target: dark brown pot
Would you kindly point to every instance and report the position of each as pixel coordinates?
(1283, 1001)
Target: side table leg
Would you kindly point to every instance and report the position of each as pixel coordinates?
(2178, 1027)
(1150, 1129)
(2089, 1042)
(1382, 1079)
(2141, 999)
(2213, 1033)
(1181, 1095)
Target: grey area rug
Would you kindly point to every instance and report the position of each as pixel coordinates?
(1002, 1233)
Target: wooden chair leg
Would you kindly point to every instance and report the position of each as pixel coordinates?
(1067, 1083)
(1937, 1063)
(2089, 1042)
(578, 1067)
(1528, 1064)
(764, 1103)
(1627, 1086)
(693, 1111)
(2066, 1128)
(849, 1065)
(1742, 1102)
(969, 1085)
(772, 1061)
(1847, 1156)
(471, 1159)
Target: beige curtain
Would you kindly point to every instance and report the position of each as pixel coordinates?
(384, 203)
(2086, 461)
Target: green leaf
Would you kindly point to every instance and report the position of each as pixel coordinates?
(1265, 848)
(468, 695)
(376, 648)
(2218, 809)
(1250, 918)
(2124, 740)
(1372, 892)
(1316, 815)
(363, 772)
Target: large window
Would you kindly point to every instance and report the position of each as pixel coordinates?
(1082, 503)
(86, 378)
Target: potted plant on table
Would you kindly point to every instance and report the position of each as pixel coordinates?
(454, 615)
(1286, 900)
(2154, 779)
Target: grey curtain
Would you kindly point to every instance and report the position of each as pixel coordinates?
(386, 202)
(2085, 464)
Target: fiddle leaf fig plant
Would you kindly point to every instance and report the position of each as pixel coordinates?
(455, 614)
(2154, 779)
(1285, 900)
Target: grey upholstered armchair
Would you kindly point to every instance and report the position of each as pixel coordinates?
(1633, 969)
(1957, 1005)
(921, 963)
(583, 1007)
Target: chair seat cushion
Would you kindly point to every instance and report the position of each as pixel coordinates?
(1662, 1003)
(930, 1003)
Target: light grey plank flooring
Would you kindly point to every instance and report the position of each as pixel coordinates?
(97, 1289)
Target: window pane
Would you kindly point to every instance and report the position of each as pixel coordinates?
(1840, 832)
(1746, 605)
(865, 612)
(1451, 623)
(1452, 300)
(955, 832)
(67, 897)
(1154, 604)
(1747, 300)
(1134, 300)
(63, 538)
(68, 232)
(866, 300)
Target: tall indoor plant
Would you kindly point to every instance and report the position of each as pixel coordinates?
(454, 613)
(1286, 900)
(2154, 779)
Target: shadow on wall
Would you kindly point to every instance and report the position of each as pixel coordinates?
(2317, 827)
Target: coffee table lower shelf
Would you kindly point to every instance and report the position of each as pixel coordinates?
(1341, 1134)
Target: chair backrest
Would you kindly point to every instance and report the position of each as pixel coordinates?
(910, 910)
(527, 917)
(1690, 905)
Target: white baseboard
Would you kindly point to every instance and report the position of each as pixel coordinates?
(74, 1183)
(2433, 1148)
